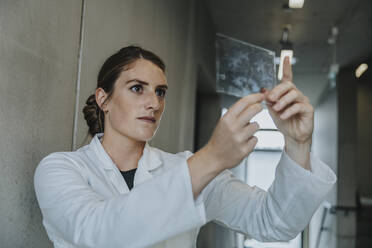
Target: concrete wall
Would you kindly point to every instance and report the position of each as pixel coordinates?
(39, 48)
(38, 67)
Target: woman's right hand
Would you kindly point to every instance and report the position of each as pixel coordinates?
(231, 141)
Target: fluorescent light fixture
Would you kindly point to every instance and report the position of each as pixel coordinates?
(360, 70)
(283, 54)
(296, 4)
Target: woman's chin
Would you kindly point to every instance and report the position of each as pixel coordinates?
(145, 136)
(139, 135)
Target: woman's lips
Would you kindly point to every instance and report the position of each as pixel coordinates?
(148, 119)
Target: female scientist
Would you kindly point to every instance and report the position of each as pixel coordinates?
(120, 192)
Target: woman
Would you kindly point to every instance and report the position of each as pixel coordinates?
(86, 202)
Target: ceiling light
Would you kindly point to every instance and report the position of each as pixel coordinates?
(360, 70)
(296, 4)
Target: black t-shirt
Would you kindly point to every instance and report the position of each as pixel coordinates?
(129, 177)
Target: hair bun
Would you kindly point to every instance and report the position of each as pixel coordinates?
(93, 115)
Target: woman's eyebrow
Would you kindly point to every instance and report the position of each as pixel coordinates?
(145, 83)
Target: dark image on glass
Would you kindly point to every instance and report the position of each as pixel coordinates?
(243, 68)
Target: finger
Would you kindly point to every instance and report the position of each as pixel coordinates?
(243, 103)
(249, 130)
(296, 109)
(282, 88)
(245, 117)
(250, 145)
(287, 99)
(287, 70)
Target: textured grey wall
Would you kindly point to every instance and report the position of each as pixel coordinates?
(38, 62)
(39, 47)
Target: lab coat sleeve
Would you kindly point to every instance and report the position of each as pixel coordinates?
(153, 211)
(276, 215)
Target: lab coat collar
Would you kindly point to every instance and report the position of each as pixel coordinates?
(150, 159)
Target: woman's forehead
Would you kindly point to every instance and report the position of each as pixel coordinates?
(145, 71)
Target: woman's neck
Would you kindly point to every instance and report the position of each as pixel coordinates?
(124, 152)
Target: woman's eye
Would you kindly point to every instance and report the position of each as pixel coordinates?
(136, 88)
(160, 92)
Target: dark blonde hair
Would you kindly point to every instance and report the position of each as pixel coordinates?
(109, 73)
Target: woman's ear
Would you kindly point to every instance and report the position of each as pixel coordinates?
(101, 96)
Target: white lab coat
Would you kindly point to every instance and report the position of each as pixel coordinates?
(85, 201)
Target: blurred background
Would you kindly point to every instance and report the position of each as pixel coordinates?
(51, 51)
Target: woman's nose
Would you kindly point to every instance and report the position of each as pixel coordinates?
(153, 101)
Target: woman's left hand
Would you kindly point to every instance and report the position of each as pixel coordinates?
(293, 115)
